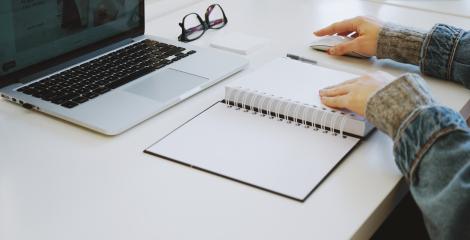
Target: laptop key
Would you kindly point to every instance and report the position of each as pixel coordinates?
(91, 95)
(59, 100)
(69, 104)
(63, 98)
(102, 90)
(80, 99)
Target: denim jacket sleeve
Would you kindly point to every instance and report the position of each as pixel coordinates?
(445, 54)
(431, 142)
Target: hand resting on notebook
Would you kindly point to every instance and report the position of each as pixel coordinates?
(354, 94)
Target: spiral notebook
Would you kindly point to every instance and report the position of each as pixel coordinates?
(270, 131)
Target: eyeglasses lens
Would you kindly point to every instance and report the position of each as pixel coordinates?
(215, 16)
(193, 27)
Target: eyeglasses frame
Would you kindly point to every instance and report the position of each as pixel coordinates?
(183, 37)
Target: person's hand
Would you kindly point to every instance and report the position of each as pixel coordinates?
(354, 94)
(364, 29)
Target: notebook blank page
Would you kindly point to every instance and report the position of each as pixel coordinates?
(291, 79)
(274, 155)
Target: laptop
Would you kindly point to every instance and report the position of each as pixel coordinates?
(89, 62)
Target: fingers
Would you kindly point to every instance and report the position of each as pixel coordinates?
(336, 102)
(346, 47)
(338, 27)
(339, 90)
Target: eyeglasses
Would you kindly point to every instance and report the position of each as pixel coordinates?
(193, 27)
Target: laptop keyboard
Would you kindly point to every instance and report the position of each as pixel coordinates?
(91, 79)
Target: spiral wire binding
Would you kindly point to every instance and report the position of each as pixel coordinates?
(321, 121)
(241, 98)
(260, 107)
(278, 109)
(238, 99)
(276, 104)
(229, 97)
(298, 107)
(296, 113)
(252, 103)
(235, 99)
(286, 115)
(343, 123)
(271, 100)
(314, 118)
(304, 118)
(333, 123)
(244, 102)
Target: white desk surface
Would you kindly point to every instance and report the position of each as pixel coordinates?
(59, 181)
(460, 8)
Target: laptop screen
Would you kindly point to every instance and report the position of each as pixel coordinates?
(33, 31)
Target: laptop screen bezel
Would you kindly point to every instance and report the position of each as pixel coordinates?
(16, 76)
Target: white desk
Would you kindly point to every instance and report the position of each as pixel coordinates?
(59, 181)
(459, 8)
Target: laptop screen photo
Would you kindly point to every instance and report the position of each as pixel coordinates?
(37, 30)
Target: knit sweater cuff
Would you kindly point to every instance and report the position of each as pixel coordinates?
(400, 44)
(390, 106)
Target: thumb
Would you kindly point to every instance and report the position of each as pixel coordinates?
(344, 48)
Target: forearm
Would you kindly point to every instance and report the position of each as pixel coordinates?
(443, 52)
(400, 43)
(432, 150)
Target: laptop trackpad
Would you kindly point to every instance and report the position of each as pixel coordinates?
(167, 84)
